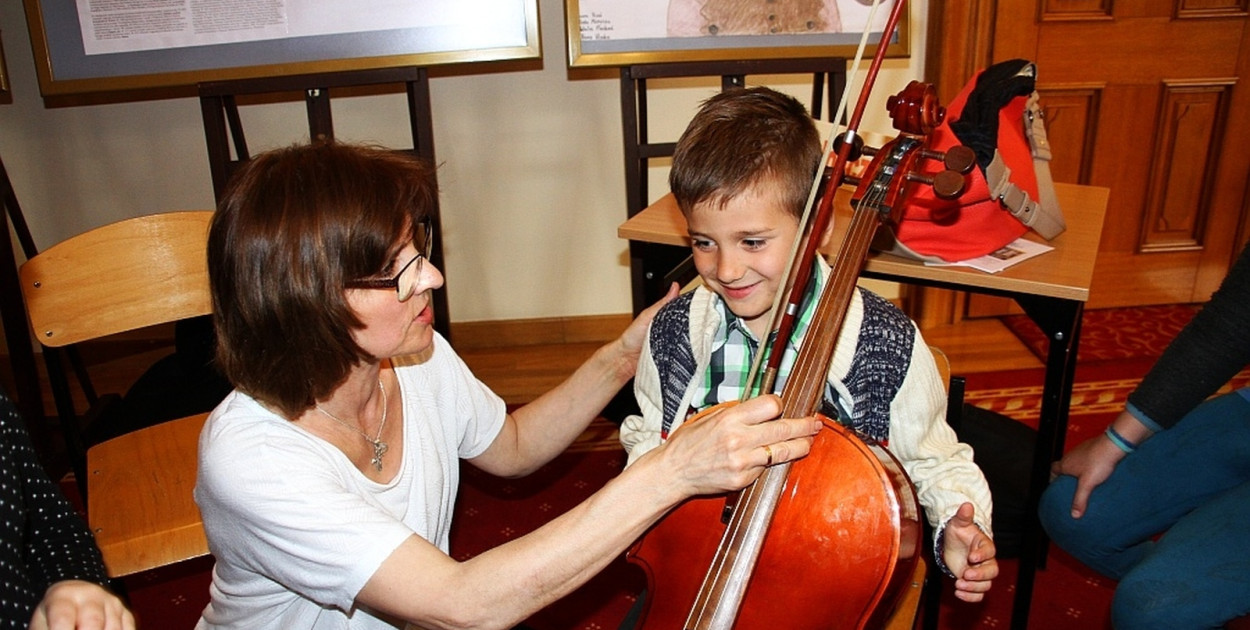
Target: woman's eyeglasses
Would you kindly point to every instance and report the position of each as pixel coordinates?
(405, 282)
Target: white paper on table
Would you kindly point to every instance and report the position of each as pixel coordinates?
(1013, 253)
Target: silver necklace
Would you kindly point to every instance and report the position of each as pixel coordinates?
(379, 447)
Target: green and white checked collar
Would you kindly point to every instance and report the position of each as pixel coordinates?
(734, 347)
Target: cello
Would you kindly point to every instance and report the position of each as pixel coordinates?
(829, 540)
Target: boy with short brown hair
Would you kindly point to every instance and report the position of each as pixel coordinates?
(741, 175)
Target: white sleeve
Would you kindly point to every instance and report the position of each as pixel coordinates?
(641, 433)
(939, 465)
(449, 385)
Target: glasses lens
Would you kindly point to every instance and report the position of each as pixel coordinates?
(424, 240)
(410, 275)
(406, 283)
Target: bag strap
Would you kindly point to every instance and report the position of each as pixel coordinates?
(1043, 215)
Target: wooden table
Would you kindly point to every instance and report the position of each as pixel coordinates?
(1051, 288)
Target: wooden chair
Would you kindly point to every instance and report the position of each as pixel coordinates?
(904, 616)
(124, 276)
(924, 591)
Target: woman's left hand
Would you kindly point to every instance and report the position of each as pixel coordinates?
(80, 605)
(631, 341)
(969, 553)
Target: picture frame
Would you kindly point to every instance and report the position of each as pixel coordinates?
(85, 47)
(615, 33)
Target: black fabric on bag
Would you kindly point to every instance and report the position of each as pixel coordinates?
(977, 124)
(1003, 448)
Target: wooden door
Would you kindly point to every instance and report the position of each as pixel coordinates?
(1145, 97)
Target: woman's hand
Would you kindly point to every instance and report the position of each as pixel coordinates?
(80, 605)
(731, 445)
(1093, 460)
(631, 341)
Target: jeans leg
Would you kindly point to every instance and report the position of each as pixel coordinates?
(1197, 575)
(1204, 455)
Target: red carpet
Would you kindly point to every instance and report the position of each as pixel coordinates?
(1114, 334)
(492, 511)
(1117, 347)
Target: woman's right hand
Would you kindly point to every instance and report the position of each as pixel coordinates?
(731, 445)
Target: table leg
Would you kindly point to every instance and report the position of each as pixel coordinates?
(653, 267)
(1060, 320)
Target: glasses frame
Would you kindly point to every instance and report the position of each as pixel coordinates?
(423, 254)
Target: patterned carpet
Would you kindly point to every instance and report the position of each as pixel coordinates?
(1116, 349)
(1114, 334)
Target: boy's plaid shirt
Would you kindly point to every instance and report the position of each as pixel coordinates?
(734, 347)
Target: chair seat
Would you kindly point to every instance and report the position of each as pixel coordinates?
(140, 502)
(904, 615)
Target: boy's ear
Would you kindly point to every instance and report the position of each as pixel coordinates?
(826, 235)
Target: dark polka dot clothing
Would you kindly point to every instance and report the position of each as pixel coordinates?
(42, 539)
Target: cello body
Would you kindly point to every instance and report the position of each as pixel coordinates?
(843, 542)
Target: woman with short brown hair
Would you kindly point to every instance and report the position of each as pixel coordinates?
(327, 478)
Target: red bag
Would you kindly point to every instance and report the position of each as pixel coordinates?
(1009, 191)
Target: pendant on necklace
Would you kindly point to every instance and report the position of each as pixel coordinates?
(379, 449)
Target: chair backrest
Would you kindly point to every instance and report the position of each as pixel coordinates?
(943, 365)
(123, 276)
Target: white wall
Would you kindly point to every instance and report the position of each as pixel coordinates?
(532, 172)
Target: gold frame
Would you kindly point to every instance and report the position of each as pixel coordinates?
(53, 84)
(680, 49)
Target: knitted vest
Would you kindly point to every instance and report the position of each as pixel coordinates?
(882, 356)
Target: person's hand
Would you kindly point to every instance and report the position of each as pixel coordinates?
(80, 605)
(969, 554)
(1091, 462)
(731, 445)
(632, 340)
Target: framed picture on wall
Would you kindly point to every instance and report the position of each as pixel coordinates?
(114, 45)
(623, 33)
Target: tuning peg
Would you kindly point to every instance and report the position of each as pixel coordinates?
(949, 183)
(946, 184)
(857, 147)
(958, 158)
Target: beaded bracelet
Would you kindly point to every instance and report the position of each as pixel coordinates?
(1119, 440)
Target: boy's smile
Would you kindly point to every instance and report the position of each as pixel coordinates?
(741, 250)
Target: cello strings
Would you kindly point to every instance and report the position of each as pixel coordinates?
(757, 502)
(739, 525)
